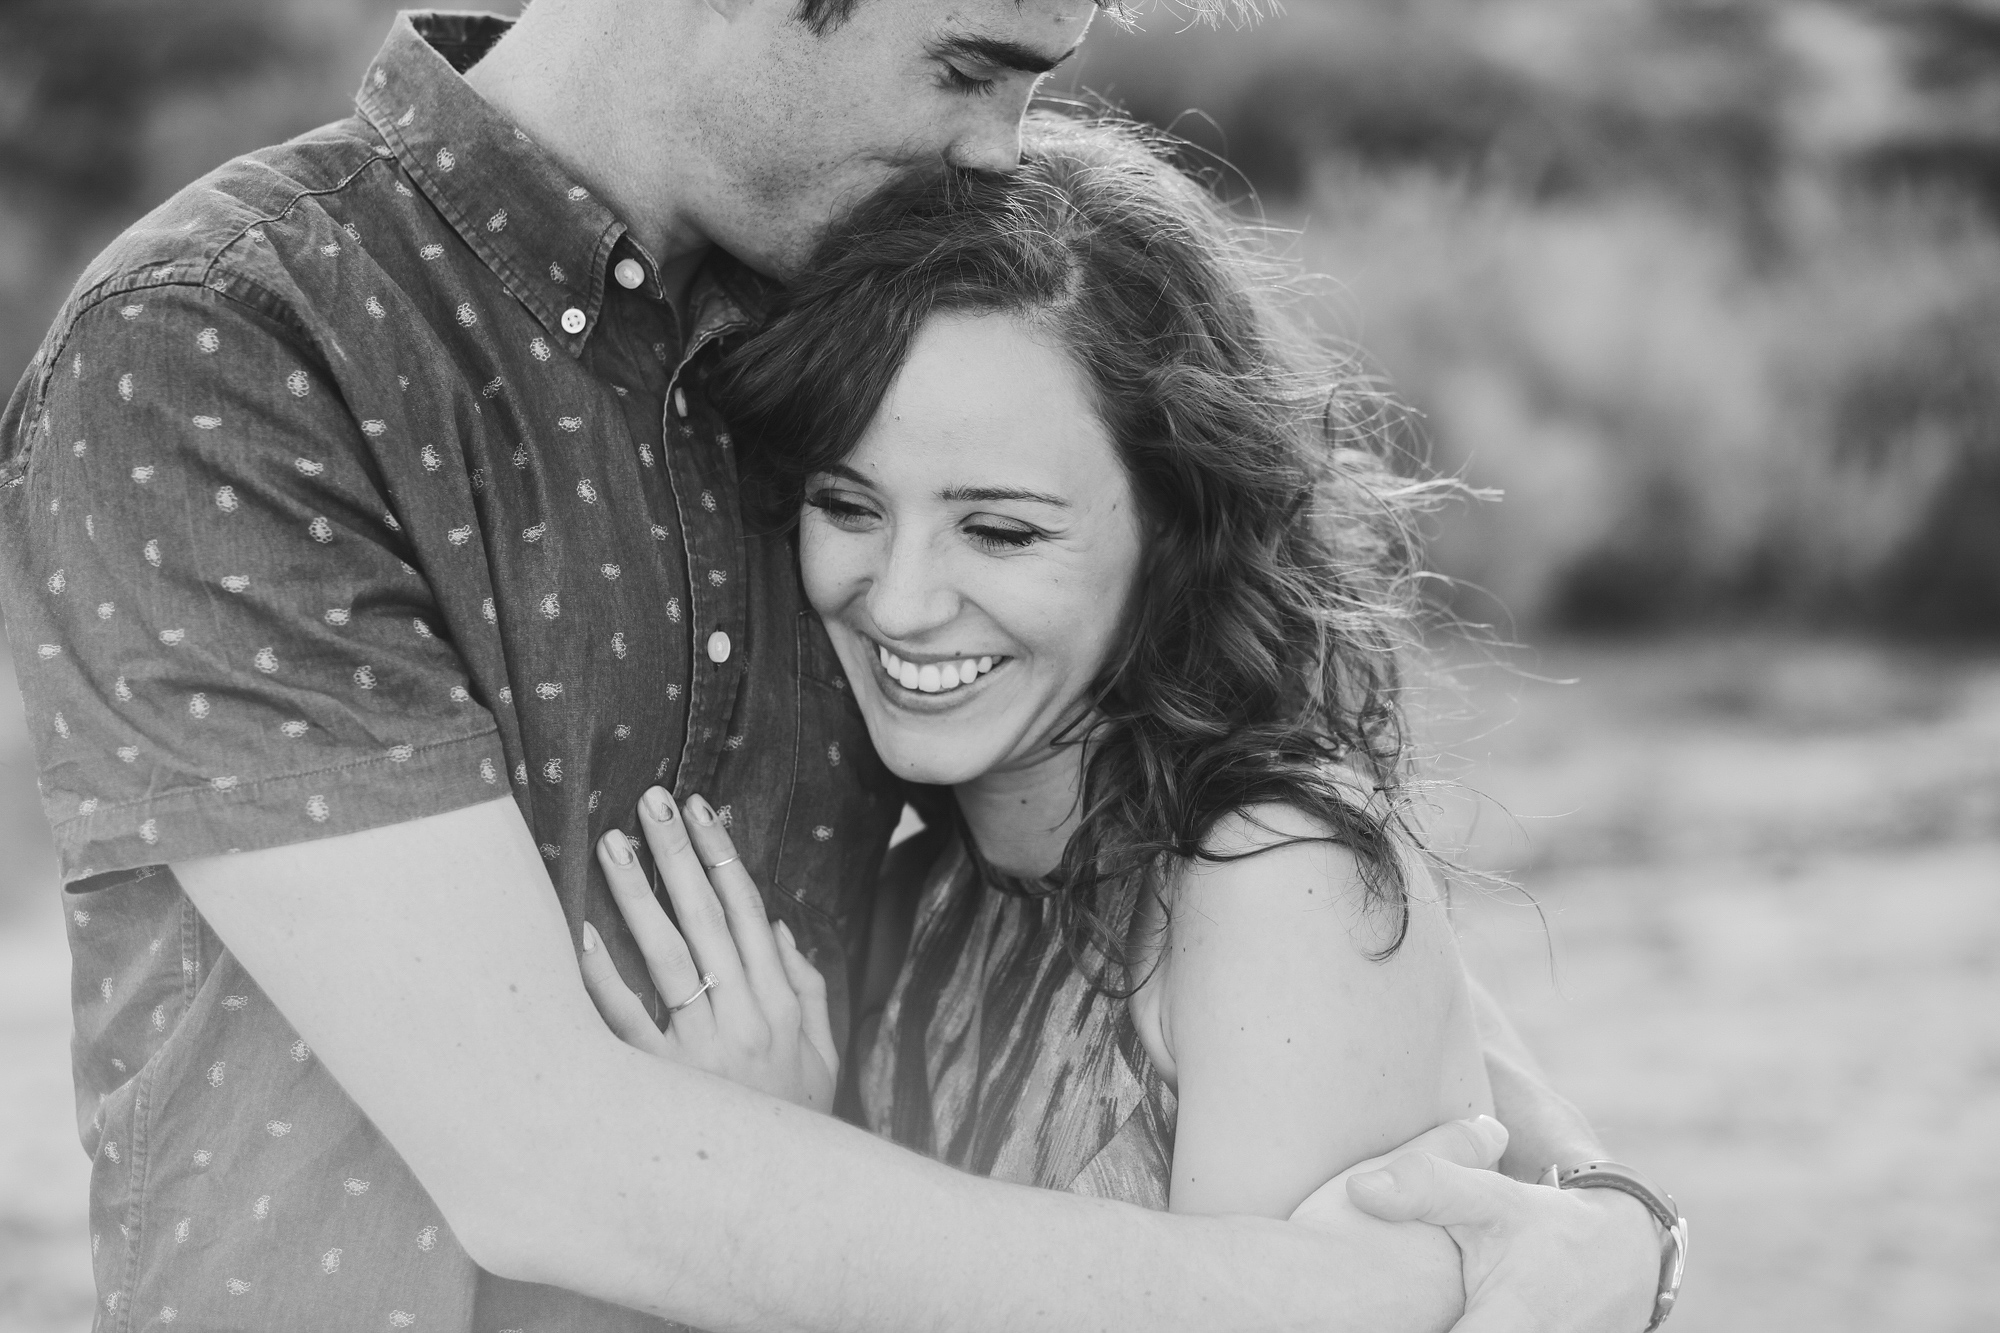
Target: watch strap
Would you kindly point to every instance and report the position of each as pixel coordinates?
(1674, 1242)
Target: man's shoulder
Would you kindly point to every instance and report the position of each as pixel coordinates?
(240, 229)
(250, 231)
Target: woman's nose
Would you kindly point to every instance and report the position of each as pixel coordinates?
(910, 596)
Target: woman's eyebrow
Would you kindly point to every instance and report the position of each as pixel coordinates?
(959, 494)
(983, 493)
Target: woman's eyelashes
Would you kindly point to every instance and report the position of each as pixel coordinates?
(982, 530)
(843, 510)
(996, 538)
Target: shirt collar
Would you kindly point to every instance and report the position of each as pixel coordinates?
(541, 232)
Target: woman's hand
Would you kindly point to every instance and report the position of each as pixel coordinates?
(744, 1002)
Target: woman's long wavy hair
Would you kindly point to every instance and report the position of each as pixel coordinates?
(1259, 661)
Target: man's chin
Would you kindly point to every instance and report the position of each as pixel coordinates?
(778, 262)
(785, 256)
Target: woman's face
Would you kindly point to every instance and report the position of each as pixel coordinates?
(973, 558)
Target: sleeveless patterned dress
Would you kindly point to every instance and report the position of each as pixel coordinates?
(996, 1055)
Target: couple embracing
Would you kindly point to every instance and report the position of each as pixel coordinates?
(487, 577)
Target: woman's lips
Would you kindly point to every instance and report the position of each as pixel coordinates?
(934, 677)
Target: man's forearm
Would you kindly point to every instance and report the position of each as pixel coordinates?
(1543, 1125)
(430, 969)
(732, 1211)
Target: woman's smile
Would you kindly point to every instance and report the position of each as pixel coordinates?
(934, 683)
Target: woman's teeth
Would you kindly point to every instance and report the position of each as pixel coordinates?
(934, 677)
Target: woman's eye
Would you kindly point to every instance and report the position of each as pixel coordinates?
(1001, 539)
(958, 81)
(840, 509)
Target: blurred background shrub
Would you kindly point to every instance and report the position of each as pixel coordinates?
(1710, 289)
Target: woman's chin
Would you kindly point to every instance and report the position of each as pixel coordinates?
(933, 761)
(930, 769)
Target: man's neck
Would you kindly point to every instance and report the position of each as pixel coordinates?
(569, 89)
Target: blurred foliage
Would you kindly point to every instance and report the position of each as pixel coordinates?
(1710, 288)
(82, 78)
(1711, 99)
(108, 106)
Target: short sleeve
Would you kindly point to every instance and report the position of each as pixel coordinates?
(220, 638)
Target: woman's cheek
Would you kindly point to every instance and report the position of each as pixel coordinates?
(1110, 589)
(1062, 611)
(826, 560)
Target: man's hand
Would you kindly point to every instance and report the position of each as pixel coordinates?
(1475, 1144)
(1536, 1260)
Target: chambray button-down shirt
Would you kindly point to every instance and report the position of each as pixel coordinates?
(351, 487)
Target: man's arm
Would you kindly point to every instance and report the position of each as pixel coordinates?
(1543, 1126)
(428, 964)
(1525, 1247)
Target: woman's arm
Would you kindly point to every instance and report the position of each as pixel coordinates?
(1294, 1052)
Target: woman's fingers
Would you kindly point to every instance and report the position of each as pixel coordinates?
(703, 923)
(749, 924)
(810, 987)
(762, 1020)
(623, 1012)
(668, 961)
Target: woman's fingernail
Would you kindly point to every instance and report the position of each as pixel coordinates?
(590, 940)
(619, 847)
(786, 932)
(699, 809)
(658, 806)
(1374, 1182)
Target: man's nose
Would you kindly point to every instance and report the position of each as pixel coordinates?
(995, 146)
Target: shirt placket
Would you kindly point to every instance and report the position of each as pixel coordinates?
(704, 483)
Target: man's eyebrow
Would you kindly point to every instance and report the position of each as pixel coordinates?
(1000, 53)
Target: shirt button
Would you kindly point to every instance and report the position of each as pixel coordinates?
(718, 647)
(630, 273)
(574, 320)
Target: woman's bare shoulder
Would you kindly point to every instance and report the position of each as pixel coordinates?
(1308, 999)
(1281, 856)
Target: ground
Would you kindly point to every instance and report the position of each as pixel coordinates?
(1770, 875)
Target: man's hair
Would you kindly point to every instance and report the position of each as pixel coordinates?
(1259, 659)
(823, 16)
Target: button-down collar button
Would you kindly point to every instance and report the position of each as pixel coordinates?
(630, 273)
(680, 402)
(574, 320)
(718, 647)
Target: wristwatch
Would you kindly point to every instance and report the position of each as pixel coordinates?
(1673, 1248)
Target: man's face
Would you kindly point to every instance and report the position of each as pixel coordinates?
(796, 127)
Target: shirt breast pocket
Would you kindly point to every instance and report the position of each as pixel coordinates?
(843, 806)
